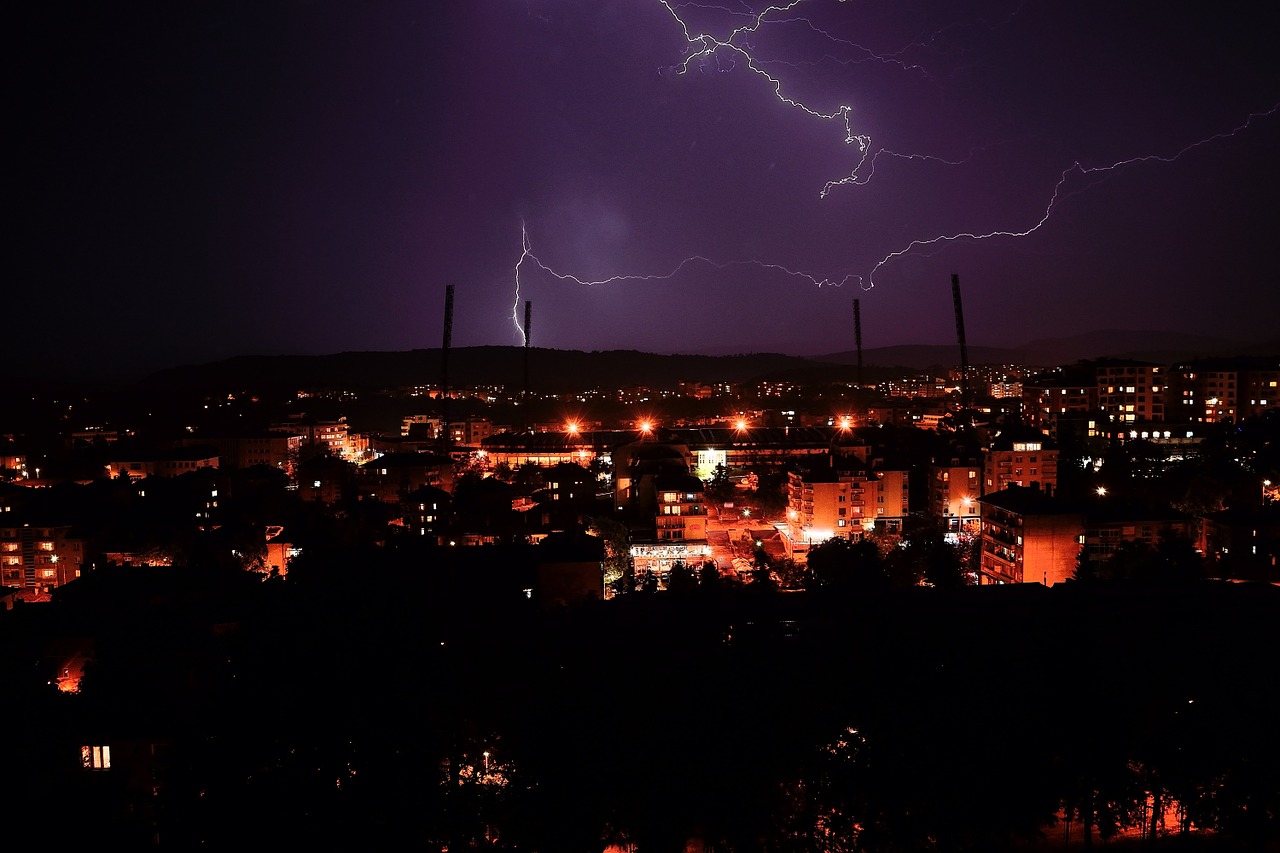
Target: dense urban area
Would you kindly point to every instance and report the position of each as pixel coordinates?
(801, 608)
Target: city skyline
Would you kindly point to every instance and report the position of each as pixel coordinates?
(306, 179)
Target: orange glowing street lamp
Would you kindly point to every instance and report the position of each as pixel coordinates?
(741, 424)
(646, 427)
(846, 423)
(572, 427)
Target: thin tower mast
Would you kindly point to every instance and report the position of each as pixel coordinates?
(964, 349)
(446, 435)
(528, 330)
(857, 337)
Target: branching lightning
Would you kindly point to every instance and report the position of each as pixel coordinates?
(736, 50)
(527, 256)
(1060, 192)
(705, 46)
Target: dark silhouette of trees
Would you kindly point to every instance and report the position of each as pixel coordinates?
(1173, 558)
(683, 579)
(844, 564)
(325, 708)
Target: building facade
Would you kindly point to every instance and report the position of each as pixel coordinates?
(1028, 537)
(33, 557)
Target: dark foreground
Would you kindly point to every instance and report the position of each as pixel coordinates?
(420, 712)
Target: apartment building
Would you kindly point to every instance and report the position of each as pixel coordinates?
(1028, 537)
(1132, 392)
(33, 557)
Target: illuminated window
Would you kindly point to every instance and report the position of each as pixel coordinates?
(95, 757)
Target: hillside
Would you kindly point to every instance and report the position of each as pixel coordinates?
(549, 370)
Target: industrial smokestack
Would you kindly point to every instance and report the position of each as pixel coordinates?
(857, 336)
(528, 331)
(964, 349)
(446, 438)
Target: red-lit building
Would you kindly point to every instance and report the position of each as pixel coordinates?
(165, 463)
(36, 557)
(274, 448)
(1018, 459)
(1028, 537)
(955, 484)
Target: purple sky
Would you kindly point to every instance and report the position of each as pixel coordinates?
(206, 180)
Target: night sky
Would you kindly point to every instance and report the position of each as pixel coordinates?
(198, 181)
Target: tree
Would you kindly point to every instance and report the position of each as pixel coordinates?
(845, 564)
(619, 567)
(719, 486)
(791, 575)
(709, 576)
(682, 578)
(649, 581)
(771, 494)
(926, 557)
(762, 569)
(1173, 558)
(530, 474)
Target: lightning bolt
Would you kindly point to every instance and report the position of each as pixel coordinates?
(1098, 173)
(704, 45)
(528, 257)
(735, 49)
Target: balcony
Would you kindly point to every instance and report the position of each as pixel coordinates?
(1000, 535)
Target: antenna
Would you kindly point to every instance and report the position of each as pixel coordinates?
(857, 336)
(964, 349)
(446, 438)
(528, 330)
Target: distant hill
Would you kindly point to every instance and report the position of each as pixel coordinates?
(1158, 347)
(564, 370)
(549, 370)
